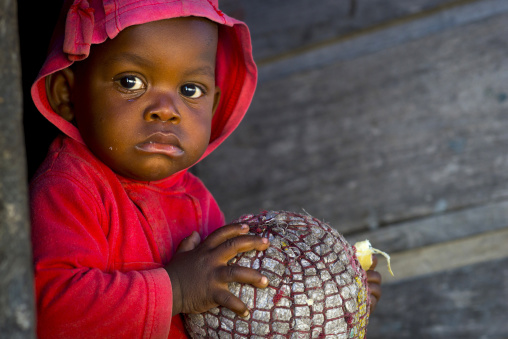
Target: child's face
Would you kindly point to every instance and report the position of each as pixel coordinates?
(143, 102)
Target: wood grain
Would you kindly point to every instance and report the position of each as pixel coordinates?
(279, 27)
(17, 306)
(442, 227)
(433, 259)
(379, 37)
(402, 134)
(466, 303)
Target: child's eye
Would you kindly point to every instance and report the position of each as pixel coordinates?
(131, 82)
(191, 91)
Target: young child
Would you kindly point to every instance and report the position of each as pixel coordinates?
(141, 91)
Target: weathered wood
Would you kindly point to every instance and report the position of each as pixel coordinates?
(466, 303)
(401, 134)
(282, 26)
(17, 318)
(384, 37)
(445, 256)
(438, 228)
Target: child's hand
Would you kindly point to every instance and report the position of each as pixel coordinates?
(374, 281)
(200, 274)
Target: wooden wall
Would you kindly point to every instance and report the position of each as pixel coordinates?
(387, 119)
(17, 306)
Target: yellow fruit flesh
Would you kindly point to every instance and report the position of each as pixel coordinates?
(364, 251)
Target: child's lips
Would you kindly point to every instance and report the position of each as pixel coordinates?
(161, 143)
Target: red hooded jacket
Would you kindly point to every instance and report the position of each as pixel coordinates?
(100, 241)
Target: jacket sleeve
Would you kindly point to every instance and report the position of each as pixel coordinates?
(77, 295)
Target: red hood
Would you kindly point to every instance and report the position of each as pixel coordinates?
(83, 23)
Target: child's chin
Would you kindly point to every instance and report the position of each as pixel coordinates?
(152, 171)
(152, 174)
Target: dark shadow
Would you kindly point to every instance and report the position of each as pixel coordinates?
(36, 20)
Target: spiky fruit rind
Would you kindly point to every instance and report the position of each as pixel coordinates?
(317, 288)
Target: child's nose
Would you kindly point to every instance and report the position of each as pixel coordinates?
(163, 110)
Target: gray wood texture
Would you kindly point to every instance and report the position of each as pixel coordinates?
(443, 256)
(393, 33)
(464, 303)
(280, 27)
(17, 318)
(441, 227)
(405, 133)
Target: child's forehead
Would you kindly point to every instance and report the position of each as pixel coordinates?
(187, 26)
(167, 32)
(162, 35)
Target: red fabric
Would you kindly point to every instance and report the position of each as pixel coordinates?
(80, 22)
(100, 242)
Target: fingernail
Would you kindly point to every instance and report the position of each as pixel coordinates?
(265, 240)
(245, 314)
(245, 227)
(264, 280)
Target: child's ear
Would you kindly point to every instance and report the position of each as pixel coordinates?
(58, 90)
(216, 99)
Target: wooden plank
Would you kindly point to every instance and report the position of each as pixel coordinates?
(404, 133)
(17, 305)
(437, 228)
(446, 256)
(282, 26)
(467, 303)
(382, 38)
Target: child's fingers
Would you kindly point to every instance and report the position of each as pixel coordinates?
(244, 275)
(189, 243)
(374, 295)
(373, 303)
(373, 277)
(374, 262)
(224, 233)
(375, 289)
(374, 281)
(231, 239)
(227, 299)
(231, 247)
